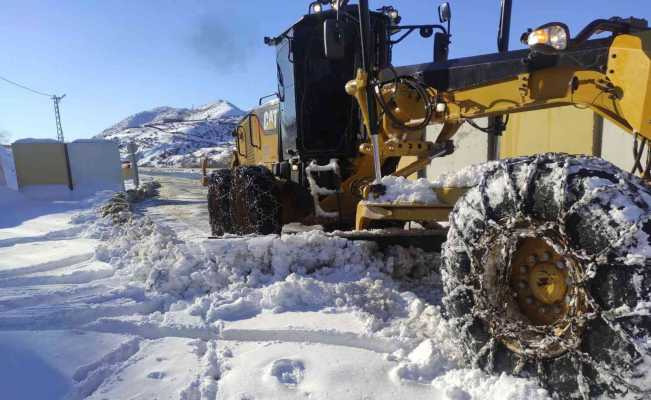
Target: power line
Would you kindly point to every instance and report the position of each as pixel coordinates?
(56, 99)
(25, 87)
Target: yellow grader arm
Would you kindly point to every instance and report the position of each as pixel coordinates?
(619, 91)
(621, 94)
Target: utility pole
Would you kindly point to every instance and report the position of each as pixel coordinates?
(57, 116)
(134, 163)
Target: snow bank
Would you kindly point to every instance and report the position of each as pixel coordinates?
(305, 315)
(237, 285)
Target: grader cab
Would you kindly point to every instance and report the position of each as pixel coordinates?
(547, 258)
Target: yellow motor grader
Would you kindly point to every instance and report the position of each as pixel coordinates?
(546, 263)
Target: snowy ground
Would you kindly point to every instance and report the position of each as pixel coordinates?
(154, 310)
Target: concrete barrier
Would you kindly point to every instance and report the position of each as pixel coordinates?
(40, 163)
(52, 170)
(95, 165)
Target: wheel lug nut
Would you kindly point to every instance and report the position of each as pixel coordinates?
(556, 310)
(542, 310)
(532, 260)
(522, 285)
(523, 269)
(545, 256)
(529, 300)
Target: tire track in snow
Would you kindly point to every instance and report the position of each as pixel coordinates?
(64, 234)
(76, 277)
(24, 297)
(149, 330)
(47, 266)
(90, 377)
(334, 338)
(152, 331)
(70, 316)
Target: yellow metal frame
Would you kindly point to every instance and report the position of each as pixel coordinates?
(622, 94)
(368, 211)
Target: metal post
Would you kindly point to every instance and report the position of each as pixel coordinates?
(505, 26)
(68, 170)
(367, 65)
(496, 125)
(134, 164)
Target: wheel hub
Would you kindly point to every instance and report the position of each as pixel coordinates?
(547, 283)
(539, 277)
(541, 309)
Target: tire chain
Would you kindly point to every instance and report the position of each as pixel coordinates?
(254, 201)
(219, 209)
(554, 232)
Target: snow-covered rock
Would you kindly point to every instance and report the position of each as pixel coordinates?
(178, 137)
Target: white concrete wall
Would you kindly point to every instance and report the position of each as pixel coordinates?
(7, 169)
(471, 148)
(95, 165)
(617, 146)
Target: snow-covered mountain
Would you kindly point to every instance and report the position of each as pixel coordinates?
(178, 137)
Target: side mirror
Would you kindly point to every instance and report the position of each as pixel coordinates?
(333, 40)
(445, 12)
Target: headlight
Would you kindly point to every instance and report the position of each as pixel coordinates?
(316, 8)
(393, 14)
(549, 38)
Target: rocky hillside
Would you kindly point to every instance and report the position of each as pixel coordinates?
(178, 137)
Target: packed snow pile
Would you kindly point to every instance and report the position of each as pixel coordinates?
(421, 191)
(178, 137)
(465, 177)
(93, 309)
(402, 190)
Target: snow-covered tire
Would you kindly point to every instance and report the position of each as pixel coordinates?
(596, 216)
(254, 199)
(219, 209)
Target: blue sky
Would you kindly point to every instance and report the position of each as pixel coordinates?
(116, 58)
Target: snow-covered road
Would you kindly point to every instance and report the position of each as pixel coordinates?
(181, 204)
(153, 310)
